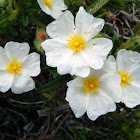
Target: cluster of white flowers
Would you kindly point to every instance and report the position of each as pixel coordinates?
(101, 82)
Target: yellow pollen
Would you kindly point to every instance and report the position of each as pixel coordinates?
(14, 67)
(48, 3)
(125, 78)
(76, 43)
(91, 85)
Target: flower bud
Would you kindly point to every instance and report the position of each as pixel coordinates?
(41, 36)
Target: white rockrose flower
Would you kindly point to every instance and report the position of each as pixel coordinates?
(16, 67)
(128, 66)
(97, 93)
(52, 7)
(72, 49)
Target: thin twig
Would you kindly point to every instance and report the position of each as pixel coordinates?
(25, 103)
(85, 3)
(58, 127)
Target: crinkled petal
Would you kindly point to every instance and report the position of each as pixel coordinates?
(87, 25)
(56, 52)
(96, 51)
(22, 83)
(77, 82)
(4, 61)
(16, 51)
(110, 83)
(78, 101)
(131, 96)
(55, 12)
(110, 64)
(31, 64)
(93, 61)
(127, 60)
(59, 4)
(100, 104)
(63, 27)
(6, 80)
(135, 75)
(75, 65)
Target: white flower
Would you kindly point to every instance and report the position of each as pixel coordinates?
(128, 66)
(52, 7)
(97, 93)
(16, 67)
(72, 49)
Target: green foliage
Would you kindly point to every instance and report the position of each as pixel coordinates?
(21, 20)
(83, 134)
(96, 6)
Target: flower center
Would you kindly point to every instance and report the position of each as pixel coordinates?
(125, 78)
(76, 43)
(14, 67)
(91, 85)
(48, 3)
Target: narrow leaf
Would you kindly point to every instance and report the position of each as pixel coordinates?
(96, 6)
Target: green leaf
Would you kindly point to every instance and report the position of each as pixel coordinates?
(49, 96)
(137, 115)
(37, 22)
(129, 1)
(102, 15)
(75, 131)
(5, 20)
(25, 20)
(116, 4)
(51, 86)
(137, 132)
(96, 6)
(92, 132)
(116, 44)
(133, 43)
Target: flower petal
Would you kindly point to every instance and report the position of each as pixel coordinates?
(16, 51)
(44, 8)
(59, 55)
(96, 51)
(110, 64)
(127, 60)
(87, 25)
(131, 96)
(111, 85)
(55, 12)
(78, 101)
(75, 65)
(136, 76)
(6, 80)
(99, 104)
(31, 64)
(56, 52)
(60, 4)
(63, 27)
(22, 83)
(4, 61)
(77, 82)
(93, 61)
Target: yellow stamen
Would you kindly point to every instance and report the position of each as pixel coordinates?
(76, 43)
(14, 67)
(48, 3)
(125, 78)
(91, 85)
